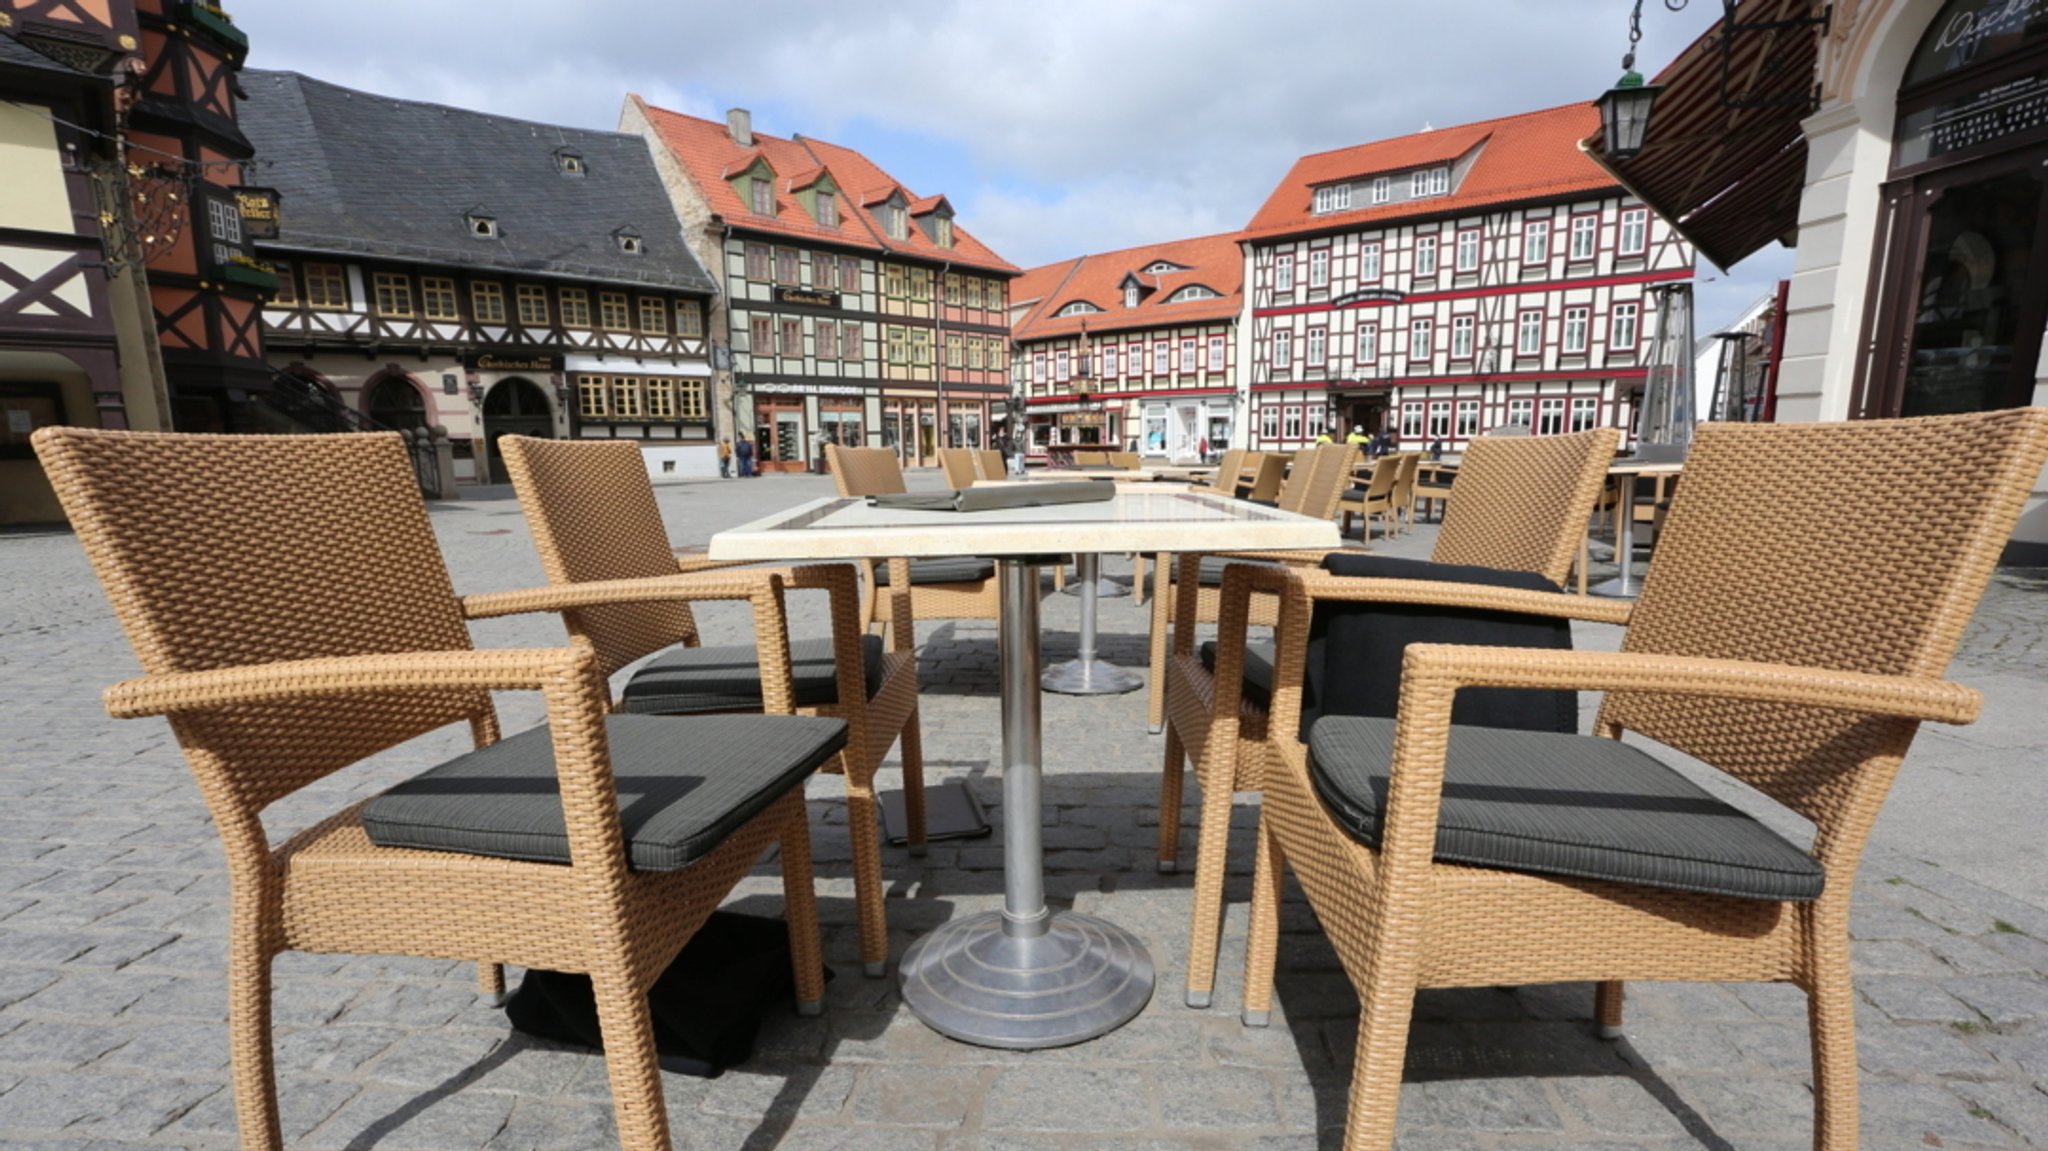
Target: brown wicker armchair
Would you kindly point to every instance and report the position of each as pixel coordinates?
(287, 601)
(1312, 489)
(1788, 643)
(959, 467)
(961, 588)
(1373, 500)
(1522, 507)
(590, 507)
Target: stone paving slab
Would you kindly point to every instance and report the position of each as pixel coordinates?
(112, 919)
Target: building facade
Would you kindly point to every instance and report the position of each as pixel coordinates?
(855, 311)
(1900, 147)
(1441, 285)
(1132, 349)
(127, 293)
(547, 293)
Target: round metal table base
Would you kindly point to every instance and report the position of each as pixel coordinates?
(1089, 677)
(971, 981)
(1616, 588)
(1105, 587)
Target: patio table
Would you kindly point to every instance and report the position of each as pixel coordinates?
(1025, 977)
(1623, 586)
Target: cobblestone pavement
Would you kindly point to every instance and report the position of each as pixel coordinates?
(112, 918)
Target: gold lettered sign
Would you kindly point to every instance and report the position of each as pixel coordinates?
(810, 296)
(260, 215)
(487, 362)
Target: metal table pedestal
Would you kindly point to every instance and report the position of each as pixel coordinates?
(1024, 977)
(1086, 674)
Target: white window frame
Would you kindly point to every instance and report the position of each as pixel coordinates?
(1216, 353)
(1269, 421)
(1425, 255)
(1535, 241)
(1108, 355)
(1319, 268)
(1626, 329)
(1411, 420)
(1522, 410)
(1585, 242)
(1382, 190)
(1468, 419)
(1283, 349)
(1462, 332)
(1550, 416)
(1440, 181)
(1585, 413)
(1161, 364)
(1368, 343)
(1318, 346)
(1188, 358)
(1418, 184)
(1421, 338)
(1578, 322)
(1369, 262)
(1290, 422)
(1468, 250)
(1283, 272)
(1439, 420)
(1635, 231)
(1062, 365)
(1529, 333)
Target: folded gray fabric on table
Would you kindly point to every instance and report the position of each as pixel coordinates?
(983, 499)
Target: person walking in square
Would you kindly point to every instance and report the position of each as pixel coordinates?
(725, 457)
(744, 452)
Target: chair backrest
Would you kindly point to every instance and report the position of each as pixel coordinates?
(1521, 503)
(988, 464)
(1404, 481)
(227, 551)
(590, 508)
(1385, 472)
(1785, 544)
(1228, 468)
(1318, 480)
(1127, 461)
(1271, 476)
(864, 471)
(958, 464)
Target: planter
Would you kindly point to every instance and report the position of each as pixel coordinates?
(218, 26)
(248, 277)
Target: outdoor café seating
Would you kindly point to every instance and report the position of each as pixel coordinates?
(288, 602)
(1521, 511)
(952, 588)
(590, 507)
(1440, 855)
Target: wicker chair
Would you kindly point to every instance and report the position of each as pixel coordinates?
(1374, 500)
(1404, 491)
(1268, 475)
(590, 507)
(1312, 489)
(962, 588)
(287, 601)
(958, 465)
(1812, 701)
(1522, 507)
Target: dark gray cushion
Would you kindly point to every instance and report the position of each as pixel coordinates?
(1258, 669)
(997, 497)
(1572, 805)
(1211, 570)
(692, 679)
(953, 569)
(684, 785)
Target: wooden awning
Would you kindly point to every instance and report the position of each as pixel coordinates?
(1729, 178)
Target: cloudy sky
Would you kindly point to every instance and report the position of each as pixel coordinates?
(1056, 128)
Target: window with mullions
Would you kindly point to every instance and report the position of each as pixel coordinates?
(653, 316)
(1319, 268)
(1421, 339)
(827, 338)
(1187, 355)
(575, 304)
(1411, 421)
(1318, 346)
(1550, 417)
(1535, 241)
(792, 337)
(1585, 413)
(1529, 334)
(532, 301)
(1283, 272)
(689, 399)
(1291, 422)
(1576, 322)
(1635, 231)
(590, 397)
(689, 319)
(1585, 237)
(1216, 351)
(1425, 255)
(1439, 420)
(1269, 421)
(487, 302)
(1462, 328)
(326, 286)
(1622, 336)
(626, 397)
(899, 345)
(1468, 419)
(394, 294)
(1368, 344)
(661, 399)
(1369, 262)
(612, 313)
(785, 266)
(1283, 349)
(1468, 251)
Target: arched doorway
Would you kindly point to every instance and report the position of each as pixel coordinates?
(515, 407)
(397, 402)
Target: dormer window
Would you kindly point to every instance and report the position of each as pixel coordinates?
(1162, 267)
(1430, 182)
(896, 221)
(569, 163)
(1130, 295)
(1333, 198)
(1382, 190)
(942, 231)
(1079, 308)
(827, 209)
(482, 226)
(1191, 292)
(761, 196)
(628, 241)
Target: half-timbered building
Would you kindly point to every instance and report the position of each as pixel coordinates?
(544, 291)
(1134, 348)
(856, 311)
(1440, 285)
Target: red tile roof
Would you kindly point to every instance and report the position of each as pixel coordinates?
(1534, 155)
(708, 154)
(1212, 261)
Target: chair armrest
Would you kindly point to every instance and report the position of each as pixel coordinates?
(686, 564)
(1233, 628)
(1323, 586)
(503, 669)
(598, 593)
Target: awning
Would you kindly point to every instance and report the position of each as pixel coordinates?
(1729, 178)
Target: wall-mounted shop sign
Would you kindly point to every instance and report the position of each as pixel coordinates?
(810, 296)
(1369, 296)
(1080, 419)
(260, 215)
(488, 362)
(780, 389)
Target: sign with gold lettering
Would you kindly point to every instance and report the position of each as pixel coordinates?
(811, 296)
(491, 362)
(260, 215)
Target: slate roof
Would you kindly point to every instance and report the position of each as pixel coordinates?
(1214, 262)
(369, 175)
(706, 151)
(1530, 156)
(13, 53)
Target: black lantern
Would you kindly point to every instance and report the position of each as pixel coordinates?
(1625, 115)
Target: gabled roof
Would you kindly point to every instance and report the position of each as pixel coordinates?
(1530, 156)
(1215, 262)
(930, 204)
(13, 53)
(804, 179)
(705, 148)
(371, 175)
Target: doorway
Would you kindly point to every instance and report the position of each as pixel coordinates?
(396, 402)
(779, 440)
(514, 407)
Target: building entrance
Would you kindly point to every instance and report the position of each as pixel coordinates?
(514, 407)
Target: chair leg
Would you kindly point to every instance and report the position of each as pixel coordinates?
(868, 891)
(1155, 706)
(1607, 1007)
(252, 1060)
(1212, 852)
(913, 781)
(1831, 1016)
(1172, 778)
(1262, 941)
(624, 1021)
(490, 981)
(1386, 1006)
(800, 906)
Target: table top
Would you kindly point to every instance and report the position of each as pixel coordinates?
(1075, 475)
(1645, 468)
(1140, 517)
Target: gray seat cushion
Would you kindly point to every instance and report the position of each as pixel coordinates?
(1212, 569)
(952, 569)
(695, 679)
(684, 785)
(1571, 805)
(1258, 669)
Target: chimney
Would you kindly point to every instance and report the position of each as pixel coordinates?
(740, 123)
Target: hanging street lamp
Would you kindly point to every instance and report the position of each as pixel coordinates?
(1625, 108)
